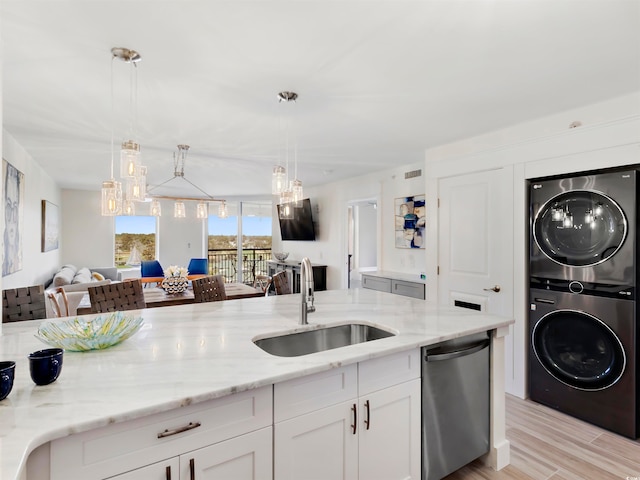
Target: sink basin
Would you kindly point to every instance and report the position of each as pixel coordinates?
(319, 340)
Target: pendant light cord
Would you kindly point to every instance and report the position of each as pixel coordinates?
(113, 119)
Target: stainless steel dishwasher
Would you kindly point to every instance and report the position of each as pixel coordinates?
(455, 404)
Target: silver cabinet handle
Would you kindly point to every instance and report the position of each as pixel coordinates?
(495, 288)
(168, 433)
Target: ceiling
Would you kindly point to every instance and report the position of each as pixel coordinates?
(378, 81)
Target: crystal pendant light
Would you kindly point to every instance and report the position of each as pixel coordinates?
(222, 210)
(202, 212)
(111, 198)
(137, 186)
(178, 210)
(278, 180)
(286, 205)
(128, 207)
(296, 192)
(155, 210)
(129, 159)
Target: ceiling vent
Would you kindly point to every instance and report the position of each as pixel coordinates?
(413, 174)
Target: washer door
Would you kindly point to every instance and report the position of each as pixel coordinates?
(580, 228)
(578, 349)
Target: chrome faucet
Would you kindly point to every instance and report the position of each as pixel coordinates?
(306, 289)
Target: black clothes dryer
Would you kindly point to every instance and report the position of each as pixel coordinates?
(582, 357)
(583, 229)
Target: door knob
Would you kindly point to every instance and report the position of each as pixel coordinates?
(495, 288)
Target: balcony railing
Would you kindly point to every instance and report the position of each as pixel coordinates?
(225, 262)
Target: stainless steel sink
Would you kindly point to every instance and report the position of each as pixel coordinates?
(326, 338)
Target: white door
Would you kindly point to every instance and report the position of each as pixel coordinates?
(475, 241)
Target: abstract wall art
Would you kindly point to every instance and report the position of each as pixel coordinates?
(409, 216)
(13, 181)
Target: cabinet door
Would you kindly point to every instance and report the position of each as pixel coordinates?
(376, 283)
(167, 470)
(408, 289)
(389, 425)
(247, 457)
(320, 445)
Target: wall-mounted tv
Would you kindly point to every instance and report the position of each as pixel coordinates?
(300, 226)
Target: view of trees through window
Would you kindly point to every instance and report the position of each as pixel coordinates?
(135, 239)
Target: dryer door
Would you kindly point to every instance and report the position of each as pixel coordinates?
(580, 228)
(578, 349)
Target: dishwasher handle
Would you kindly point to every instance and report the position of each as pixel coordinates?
(463, 352)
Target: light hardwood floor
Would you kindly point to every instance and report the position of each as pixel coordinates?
(549, 445)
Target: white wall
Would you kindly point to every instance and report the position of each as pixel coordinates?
(609, 136)
(88, 236)
(37, 266)
(180, 239)
(329, 207)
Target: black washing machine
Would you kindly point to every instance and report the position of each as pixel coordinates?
(583, 229)
(582, 357)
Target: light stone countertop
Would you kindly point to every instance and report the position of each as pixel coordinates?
(192, 353)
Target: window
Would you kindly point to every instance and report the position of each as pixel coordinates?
(255, 248)
(135, 240)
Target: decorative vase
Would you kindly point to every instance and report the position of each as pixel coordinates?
(174, 284)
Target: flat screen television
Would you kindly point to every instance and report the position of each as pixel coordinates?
(300, 226)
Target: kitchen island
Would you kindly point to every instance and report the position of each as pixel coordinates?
(189, 354)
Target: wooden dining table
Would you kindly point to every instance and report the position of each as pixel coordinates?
(157, 297)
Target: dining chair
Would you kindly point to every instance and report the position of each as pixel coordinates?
(126, 295)
(209, 289)
(281, 283)
(23, 303)
(151, 271)
(198, 266)
(59, 302)
(263, 282)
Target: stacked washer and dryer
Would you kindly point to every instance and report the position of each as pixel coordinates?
(583, 352)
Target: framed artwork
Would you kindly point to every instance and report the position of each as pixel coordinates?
(13, 182)
(409, 213)
(49, 226)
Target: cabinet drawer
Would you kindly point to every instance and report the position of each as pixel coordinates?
(387, 371)
(313, 392)
(376, 283)
(120, 447)
(408, 289)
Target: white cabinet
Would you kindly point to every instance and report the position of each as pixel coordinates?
(247, 457)
(221, 427)
(372, 433)
(166, 470)
(241, 458)
(317, 446)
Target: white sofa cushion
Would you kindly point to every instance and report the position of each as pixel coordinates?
(82, 276)
(64, 276)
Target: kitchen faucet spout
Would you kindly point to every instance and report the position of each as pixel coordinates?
(306, 289)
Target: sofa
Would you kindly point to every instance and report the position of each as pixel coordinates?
(75, 281)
